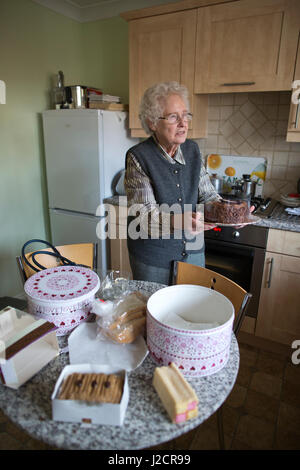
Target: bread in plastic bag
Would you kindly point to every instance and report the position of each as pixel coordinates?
(121, 320)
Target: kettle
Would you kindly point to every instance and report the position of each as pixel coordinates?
(217, 182)
(246, 187)
(76, 95)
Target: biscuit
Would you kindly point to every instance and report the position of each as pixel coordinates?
(176, 394)
(127, 331)
(101, 388)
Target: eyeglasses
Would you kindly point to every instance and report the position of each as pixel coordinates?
(173, 118)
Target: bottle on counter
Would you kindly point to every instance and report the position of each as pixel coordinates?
(58, 91)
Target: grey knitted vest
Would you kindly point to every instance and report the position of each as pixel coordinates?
(175, 185)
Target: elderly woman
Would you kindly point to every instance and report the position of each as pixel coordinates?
(165, 183)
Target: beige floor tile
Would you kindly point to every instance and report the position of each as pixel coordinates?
(291, 374)
(16, 432)
(206, 438)
(230, 420)
(256, 433)
(248, 355)
(270, 363)
(184, 442)
(33, 444)
(261, 405)
(237, 396)
(244, 375)
(266, 383)
(212, 420)
(164, 446)
(238, 445)
(3, 418)
(8, 442)
(291, 393)
(288, 428)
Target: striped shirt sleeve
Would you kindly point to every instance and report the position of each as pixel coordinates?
(206, 191)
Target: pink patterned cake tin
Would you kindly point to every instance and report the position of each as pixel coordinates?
(62, 295)
(190, 326)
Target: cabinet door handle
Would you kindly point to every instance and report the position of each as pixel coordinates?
(297, 117)
(238, 84)
(295, 123)
(270, 273)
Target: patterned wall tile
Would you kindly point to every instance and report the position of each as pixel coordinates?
(255, 124)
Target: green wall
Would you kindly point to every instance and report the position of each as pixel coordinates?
(106, 56)
(34, 44)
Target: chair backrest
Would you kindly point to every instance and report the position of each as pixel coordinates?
(185, 273)
(81, 253)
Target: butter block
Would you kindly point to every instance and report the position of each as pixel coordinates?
(176, 394)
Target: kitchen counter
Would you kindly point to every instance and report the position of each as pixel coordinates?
(290, 223)
(292, 226)
(281, 220)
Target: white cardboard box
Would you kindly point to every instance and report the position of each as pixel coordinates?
(84, 412)
(26, 346)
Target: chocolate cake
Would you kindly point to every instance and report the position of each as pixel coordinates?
(226, 211)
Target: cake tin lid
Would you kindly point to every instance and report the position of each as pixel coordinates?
(61, 284)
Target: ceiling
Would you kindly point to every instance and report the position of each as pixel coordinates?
(93, 10)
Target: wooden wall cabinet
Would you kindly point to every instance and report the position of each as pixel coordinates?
(212, 46)
(293, 131)
(248, 45)
(279, 309)
(162, 48)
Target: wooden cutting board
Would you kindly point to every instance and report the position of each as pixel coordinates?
(232, 167)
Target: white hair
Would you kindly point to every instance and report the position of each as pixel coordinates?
(153, 102)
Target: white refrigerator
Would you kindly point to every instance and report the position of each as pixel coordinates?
(85, 153)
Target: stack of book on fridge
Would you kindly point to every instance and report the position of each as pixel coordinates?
(99, 100)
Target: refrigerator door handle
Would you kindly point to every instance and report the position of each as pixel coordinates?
(57, 210)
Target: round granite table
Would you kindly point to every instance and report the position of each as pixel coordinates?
(146, 422)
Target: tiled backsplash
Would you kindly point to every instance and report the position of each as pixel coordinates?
(255, 124)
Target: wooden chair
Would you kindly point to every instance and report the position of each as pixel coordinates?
(185, 273)
(81, 253)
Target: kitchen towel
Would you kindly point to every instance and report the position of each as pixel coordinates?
(293, 210)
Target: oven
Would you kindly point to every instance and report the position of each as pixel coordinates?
(239, 254)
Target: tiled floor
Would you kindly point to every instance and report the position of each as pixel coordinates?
(262, 411)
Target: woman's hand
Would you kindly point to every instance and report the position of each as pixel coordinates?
(242, 225)
(193, 222)
(209, 226)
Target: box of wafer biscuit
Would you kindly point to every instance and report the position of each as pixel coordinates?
(91, 394)
(26, 346)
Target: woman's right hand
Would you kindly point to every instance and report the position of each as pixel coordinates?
(193, 222)
(209, 226)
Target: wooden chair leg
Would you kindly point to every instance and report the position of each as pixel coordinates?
(220, 428)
